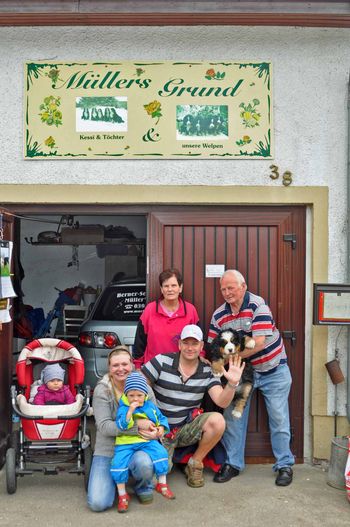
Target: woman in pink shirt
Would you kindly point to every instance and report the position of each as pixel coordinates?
(161, 323)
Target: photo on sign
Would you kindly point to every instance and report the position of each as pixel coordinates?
(101, 114)
(200, 122)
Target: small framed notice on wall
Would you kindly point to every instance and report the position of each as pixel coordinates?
(331, 304)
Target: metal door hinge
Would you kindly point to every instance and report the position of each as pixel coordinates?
(292, 238)
(290, 335)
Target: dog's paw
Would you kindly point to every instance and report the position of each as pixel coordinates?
(236, 414)
(250, 344)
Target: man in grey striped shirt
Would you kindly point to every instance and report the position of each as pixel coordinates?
(249, 314)
(179, 382)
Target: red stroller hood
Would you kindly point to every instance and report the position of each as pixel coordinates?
(49, 350)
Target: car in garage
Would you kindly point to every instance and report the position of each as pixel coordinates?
(112, 321)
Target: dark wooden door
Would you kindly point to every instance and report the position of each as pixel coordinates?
(5, 360)
(267, 245)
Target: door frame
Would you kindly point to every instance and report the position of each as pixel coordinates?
(96, 199)
(291, 261)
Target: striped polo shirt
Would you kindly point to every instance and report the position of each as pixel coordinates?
(254, 319)
(175, 398)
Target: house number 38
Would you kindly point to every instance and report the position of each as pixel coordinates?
(286, 176)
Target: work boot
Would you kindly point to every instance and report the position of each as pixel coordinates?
(226, 473)
(194, 473)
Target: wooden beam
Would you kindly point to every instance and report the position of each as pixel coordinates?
(175, 19)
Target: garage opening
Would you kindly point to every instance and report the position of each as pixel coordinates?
(65, 262)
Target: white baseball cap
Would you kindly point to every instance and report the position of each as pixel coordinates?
(192, 331)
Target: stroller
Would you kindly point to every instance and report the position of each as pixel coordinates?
(49, 437)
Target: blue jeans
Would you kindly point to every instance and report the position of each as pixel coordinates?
(275, 388)
(101, 489)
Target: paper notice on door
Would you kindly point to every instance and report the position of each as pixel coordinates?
(214, 271)
(6, 288)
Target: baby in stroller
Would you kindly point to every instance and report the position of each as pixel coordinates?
(51, 353)
(52, 431)
(53, 391)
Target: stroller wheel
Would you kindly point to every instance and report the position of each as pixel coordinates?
(87, 465)
(14, 441)
(11, 477)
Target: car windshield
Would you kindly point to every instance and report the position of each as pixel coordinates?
(121, 302)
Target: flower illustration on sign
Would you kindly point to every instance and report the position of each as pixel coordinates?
(244, 141)
(50, 114)
(53, 75)
(139, 71)
(154, 109)
(211, 74)
(50, 142)
(249, 113)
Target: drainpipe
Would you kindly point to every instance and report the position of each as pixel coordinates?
(348, 257)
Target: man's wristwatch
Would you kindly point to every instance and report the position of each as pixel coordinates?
(230, 385)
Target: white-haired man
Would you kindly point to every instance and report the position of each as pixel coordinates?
(249, 314)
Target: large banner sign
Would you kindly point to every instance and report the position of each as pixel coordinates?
(130, 110)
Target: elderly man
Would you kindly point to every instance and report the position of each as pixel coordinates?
(250, 315)
(179, 382)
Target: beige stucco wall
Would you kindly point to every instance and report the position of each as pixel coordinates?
(310, 89)
(310, 86)
(319, 427)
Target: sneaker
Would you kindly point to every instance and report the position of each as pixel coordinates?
(145, 499)
(194, 473)
(284, 477)
(123, 503)
(165, 491)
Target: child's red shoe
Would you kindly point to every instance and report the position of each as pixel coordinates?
(123, 502)
(165, 491)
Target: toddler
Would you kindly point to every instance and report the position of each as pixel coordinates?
(133, 405)
(53, 391)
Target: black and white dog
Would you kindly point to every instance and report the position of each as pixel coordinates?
(226, 344)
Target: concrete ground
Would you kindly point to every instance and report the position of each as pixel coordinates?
(252, 499)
